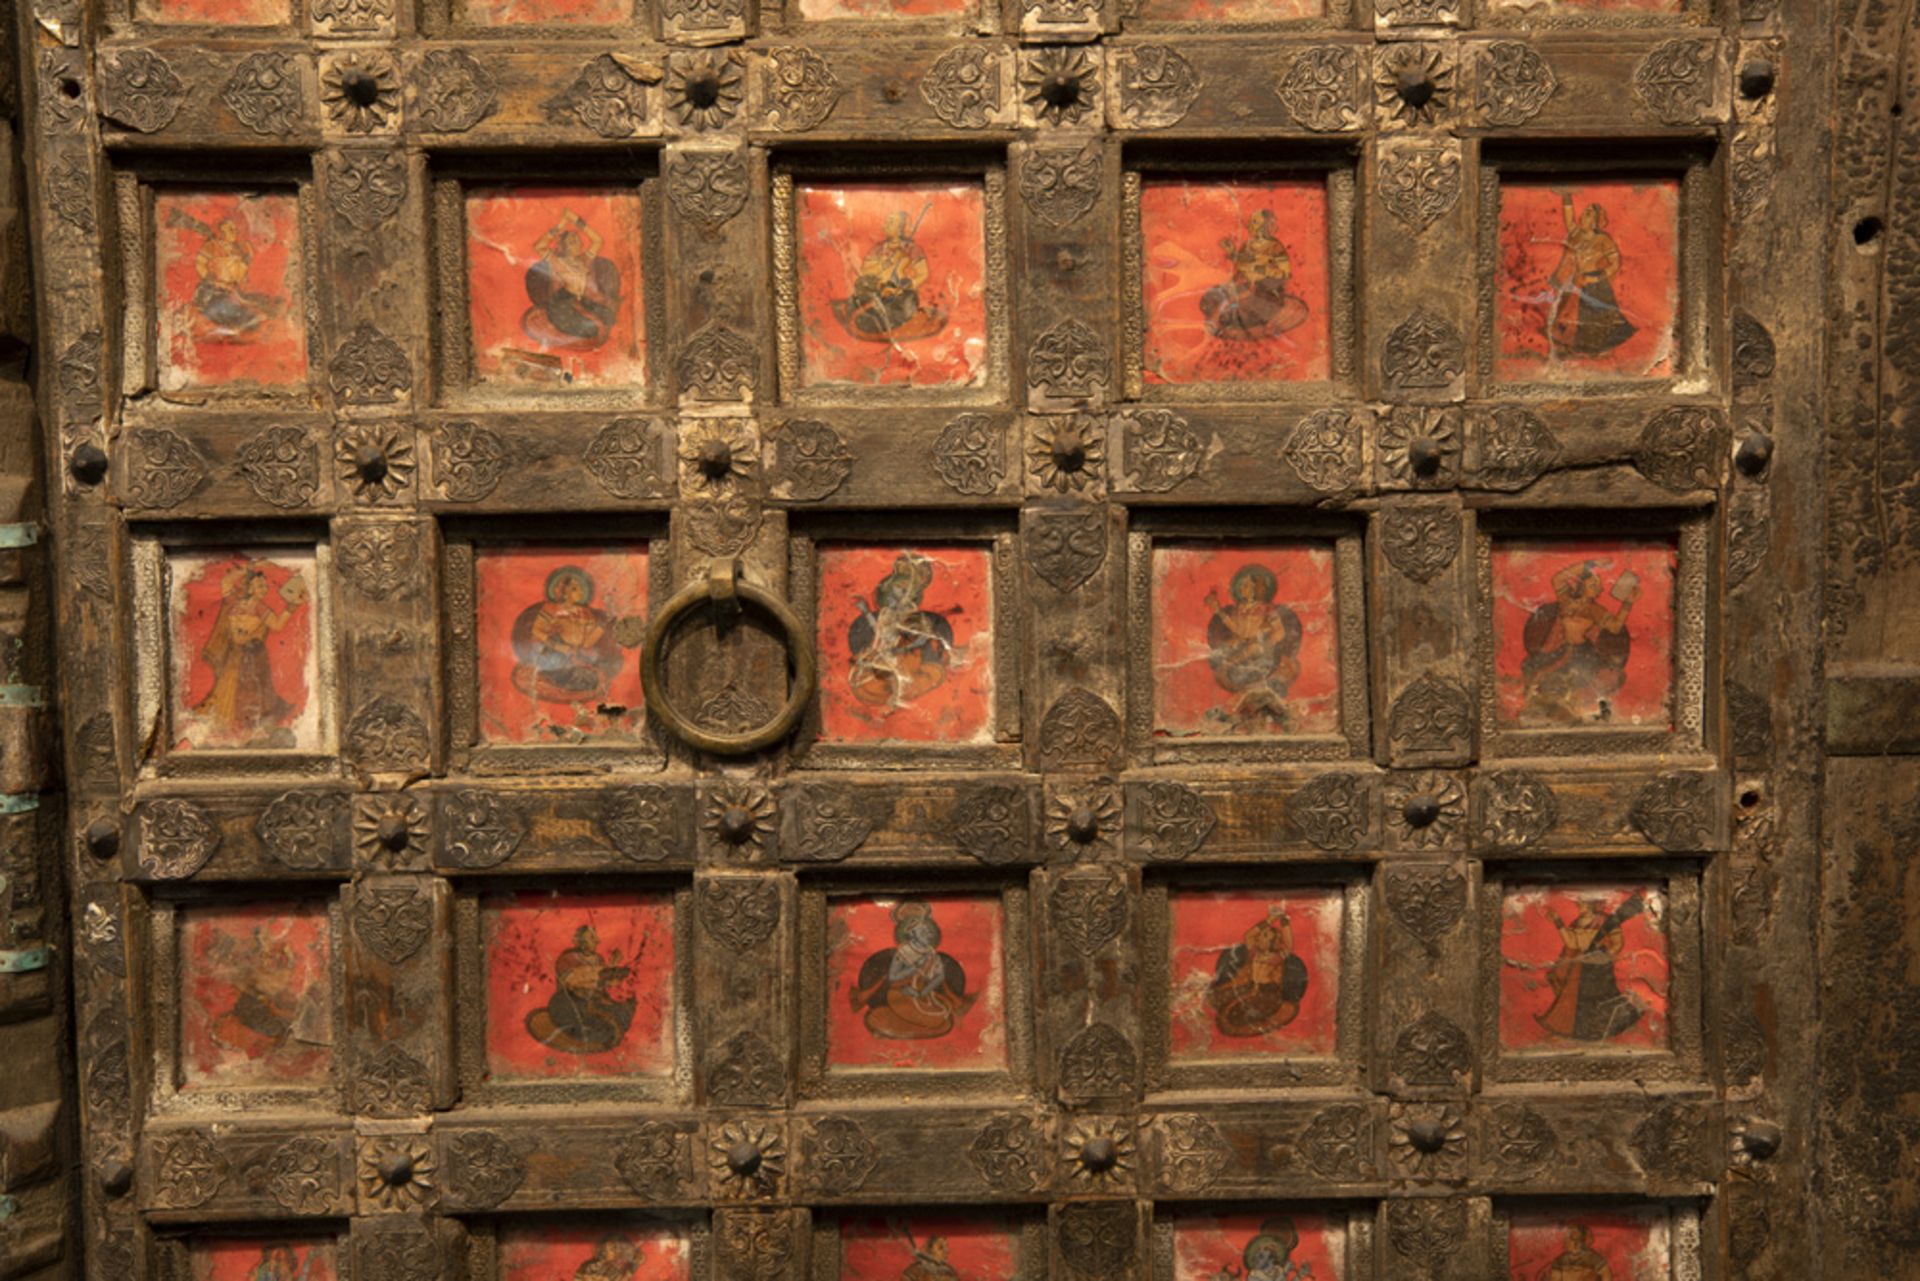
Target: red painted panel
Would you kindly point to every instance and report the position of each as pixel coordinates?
(1589, 280)
(1614, 1245)
(916, 982)
(1254, 972)
(893, 283)
(613, 1251)
(579, 984)
(276, 1259)
(1244, 638)
(244, 666)
(256, 995)
(929, 1248)
(555, 627)
(906, 643)
(229, 293)
(1583, 967)
(1235, 281)
(507, 13)
(554, 287)
(225, 13)
(1583, 631)
(1273, 1245)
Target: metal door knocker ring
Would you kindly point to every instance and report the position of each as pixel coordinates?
(726, 592)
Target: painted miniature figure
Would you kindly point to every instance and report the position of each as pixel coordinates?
(230, 310)
(568, 649)
(243, 704)
(1580, 1261)
(886, 304)
(1586, 318)
(1577, 645)
(912, 990)
(930, 1262)
(271, 1009)
(583, 1016)
(1589, 1004)
(1269, 1256)
(614, 1259)
(1259, 981)
(1254, 647)
(575, 292)
(1254, 304)
(899, 651)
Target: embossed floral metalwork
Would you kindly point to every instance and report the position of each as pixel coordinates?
(1060, 84)
(1097, 1062)
(1516, 809)
(296, 829)
(167, 470)
(1515, 82)
(717, 455)
(705, 88)
(1065, 545)
(1431, 716)
(1160, 449)
(386, 735)
(1514, 448)
(393, 921)
(746, 1158)
(1338, 1142)
(829, 823)
(963, 86)
(989, 823)
(366, 187)
(397, 1172)
(1098, 1239)
(838, 1154)
(303, 1174)
(177, 838)
(281, 465)
(1006, 1154)
(1089, 910)
(1413, 82)
(1427, 1141)
(1427, 902)
(378, 559)
(707, 187)
(454, 92)
(970, 455)
(811, 461)
(1419, 181)
(642, 822)
(1082, 822)
(374, 460)
(1520, 1139)
(468, 461)
(655, 1159)
(1681, 448)
(1191, 1153)
(1321, 88)
(738, 817)
(1424, 351)
(1157, 85)
(369, 368)
(1432, 1051)
(360, 91)
(1067, 453)
(1061, 184)
(1099, 1154)
(1069, 360)
(391, 1082)
(138, 89)
(481, 830)
(741, 913)
(1334, 811)
(1427, 1230)
(188, 1170)
(1325, 450)
(801, 88)
(1420, 541)
(718, 364)
(1170, 820)
(483, 1169)
(1420, 446)
(624, 456)
(1675, 812)
(747, 1072)
(1426, 809)
(608, 96)
(1675, 80)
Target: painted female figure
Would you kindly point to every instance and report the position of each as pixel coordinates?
(575, 292)
(1254, 304)
(1258, 982)
(567, 647)
(886, 305)
(583, 1016)
(245, 707)
(1253, 647)
(929, 1262)
(1580, 1261)
(613, 1259)
(271, 1010)
(1577, 644)
(1586, 319)
(899, 651)
(277, 1263)
(912, 991)
(1269, 1255)
(1588, 1004)
(221, 299)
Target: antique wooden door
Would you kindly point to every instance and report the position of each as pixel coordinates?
(918, 640)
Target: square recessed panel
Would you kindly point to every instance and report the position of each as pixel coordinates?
(264, 1259)
(229, 290)
(1588, 280)
(1260, 1245)
(1245, 638)
(893, 283)
(244, 671)
(906, 643)
(556, 641)
(1588, 1245)
(1234, 281)
(1583, 632)
(611, 1251)
(579, 985)
(923, 1247)
(256, 995)
(1254, 972)
(554, 287)
(1584, 967)
(916, 982)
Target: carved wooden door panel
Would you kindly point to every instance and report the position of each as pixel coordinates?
(1271, 511)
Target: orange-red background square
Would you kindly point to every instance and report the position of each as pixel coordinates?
(543, 1253)
(206, 717)
(203, 342)
(513, 343)
(1208, 923)
(1182, 225)
(1188, 697)
(972, 932)
(883, 1249)
(516, 708)
(1210, 1247)
(957, 710)
(256, 995)
(838, 225)
(1530, 946)
(526, 934)
(506, 13)
(239, 1259)
(1523, 571)
(1643, 217)
(1634, 1243)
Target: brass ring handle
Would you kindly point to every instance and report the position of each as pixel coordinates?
(725, 590)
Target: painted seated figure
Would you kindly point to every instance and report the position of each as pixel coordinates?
(899, 650)
(1253, 646)
(567, 648)
(583, 1016)
(1577, 644)
(912, 991)
(575, 292)
(1258, 982)
(886, 305)
(1254, 304)
(1580, 1261)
